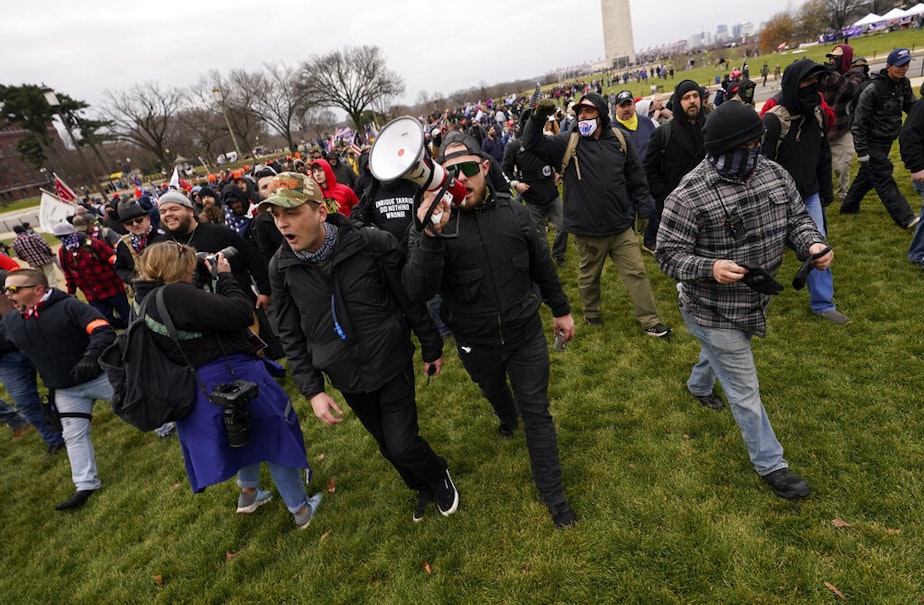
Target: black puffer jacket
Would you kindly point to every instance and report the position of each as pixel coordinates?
(373, 315)
(492, 278)
(604, 184)
(877, 118)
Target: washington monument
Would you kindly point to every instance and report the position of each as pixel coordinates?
(617, 33)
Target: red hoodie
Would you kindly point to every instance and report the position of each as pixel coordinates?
(332, 190)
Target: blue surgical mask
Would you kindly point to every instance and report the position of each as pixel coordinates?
(587, 127)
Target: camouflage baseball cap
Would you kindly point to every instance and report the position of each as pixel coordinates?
(292, 189)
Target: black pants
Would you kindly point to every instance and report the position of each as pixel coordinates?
(526, 363)
(877, 173)
(390, 416)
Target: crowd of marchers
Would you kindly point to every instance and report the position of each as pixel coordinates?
(317, 261)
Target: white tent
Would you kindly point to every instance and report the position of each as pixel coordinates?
(870, 19)
(915, 10)
(895, 13)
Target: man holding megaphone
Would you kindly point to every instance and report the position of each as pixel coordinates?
(492, 278)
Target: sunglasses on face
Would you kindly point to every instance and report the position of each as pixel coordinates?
(15, 289)
(469, 169)
(134, 221)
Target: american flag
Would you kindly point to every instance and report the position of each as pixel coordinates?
(64, 193)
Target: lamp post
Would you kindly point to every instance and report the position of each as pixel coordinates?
(52, 99)
(221, 102)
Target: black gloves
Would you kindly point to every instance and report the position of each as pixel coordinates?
(760, 280)
(544, 109)
(86, 370)
(798, 282)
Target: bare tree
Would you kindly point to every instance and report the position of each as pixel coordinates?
(879, 7)
(352, 79)
(842, 10)
(144, 115)
(279, 100)
(319, 121)
(812, 19)
(203, 133)
(237, 93)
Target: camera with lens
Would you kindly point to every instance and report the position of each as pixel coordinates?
(234, 397)
(206, 277)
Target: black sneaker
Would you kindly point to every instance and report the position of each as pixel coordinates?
(420, 509)
(593, 321)
(77, 499)
(447, 496)
(658, 330)
(786, 484)
(711, 401)
(562, 515)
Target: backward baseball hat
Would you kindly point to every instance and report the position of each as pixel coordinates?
(899, 57)
(292, 189)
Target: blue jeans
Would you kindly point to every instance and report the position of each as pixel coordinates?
(916, 251)
(11, 416)
(288, 480)
(820, 283)
(726, 354)
(18, 376)
(79, 399)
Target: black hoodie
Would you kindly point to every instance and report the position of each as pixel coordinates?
(669, 159)
(804, 152)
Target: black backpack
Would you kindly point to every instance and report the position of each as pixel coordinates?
(148, 388)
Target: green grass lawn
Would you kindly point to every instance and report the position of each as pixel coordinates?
(670, 509)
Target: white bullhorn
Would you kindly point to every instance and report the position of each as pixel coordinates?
(399, 153)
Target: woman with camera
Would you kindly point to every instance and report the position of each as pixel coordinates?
(241, 417)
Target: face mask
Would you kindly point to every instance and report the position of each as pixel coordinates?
(808, 98)
(587, 127)
(736, 164)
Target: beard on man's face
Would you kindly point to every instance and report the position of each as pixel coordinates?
(183, 228)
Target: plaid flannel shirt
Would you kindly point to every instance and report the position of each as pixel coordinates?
(32, 248)
(89, 267)
(694, 234)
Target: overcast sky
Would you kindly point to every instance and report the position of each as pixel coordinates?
(87, 46)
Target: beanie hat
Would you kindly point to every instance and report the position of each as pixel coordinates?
(175, 197)
(685, 87)
(129, 210)
(730, 125)
(209, 192)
